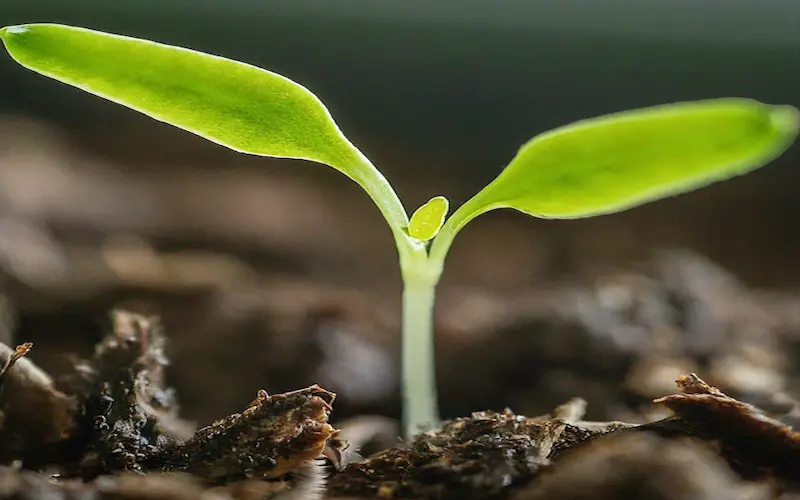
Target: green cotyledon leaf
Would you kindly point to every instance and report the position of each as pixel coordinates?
(427, 220)
(615, 162)
(243, 107)
(240, 106)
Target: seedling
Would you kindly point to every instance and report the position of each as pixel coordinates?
(589, 168)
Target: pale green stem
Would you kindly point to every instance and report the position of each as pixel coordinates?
(412, 253)
(420, 404)
(385, 198)
(421, 273)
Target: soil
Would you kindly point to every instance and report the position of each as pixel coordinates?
(112, 431)
(179, 323)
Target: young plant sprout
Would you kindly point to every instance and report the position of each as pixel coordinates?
(589, 168)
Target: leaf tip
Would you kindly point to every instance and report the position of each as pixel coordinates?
(785, 119)
(440, 201)
(13, 30)
(7, 33)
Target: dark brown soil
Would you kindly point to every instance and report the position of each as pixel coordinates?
(113, 432)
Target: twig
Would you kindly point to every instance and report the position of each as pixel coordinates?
(18, 353)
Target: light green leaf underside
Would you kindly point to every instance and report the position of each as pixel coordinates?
(618, 161)
(240, 106)
(428, 219)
